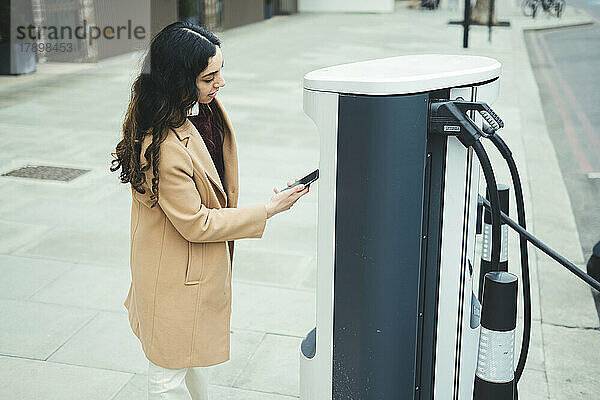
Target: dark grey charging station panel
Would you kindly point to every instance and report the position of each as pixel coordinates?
(381, 161)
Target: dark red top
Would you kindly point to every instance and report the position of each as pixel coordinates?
(213, 141)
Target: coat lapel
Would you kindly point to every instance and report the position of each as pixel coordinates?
(230, 159)
(188, 134)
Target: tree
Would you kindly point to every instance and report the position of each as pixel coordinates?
(480, 12)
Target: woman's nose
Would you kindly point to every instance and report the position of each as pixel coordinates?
(221, 83)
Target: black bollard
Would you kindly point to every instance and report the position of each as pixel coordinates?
(593, 265)
(494, 377)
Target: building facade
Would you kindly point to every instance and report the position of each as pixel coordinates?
(147, 16)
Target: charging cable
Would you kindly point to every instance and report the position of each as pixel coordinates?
(448, 117)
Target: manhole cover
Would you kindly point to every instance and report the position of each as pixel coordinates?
(47, 172)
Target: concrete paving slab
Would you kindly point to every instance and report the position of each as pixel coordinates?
(24, 379)
(75, 214)
(533, 385)
(306, 277)
(36, 330)
(21, 190)
(270, 268)
(15, 235)
(565, 299)
(44, 70)
(298, 236)
(274, 367)
(90, 287)
(274, 157)
(137, 389)
(272, 310)
(83, 247)
(106, 342)
(535, 357)
(38, 116)
(571, 362)
(256, 132)
(22, 277)
(515, 268)
(309, 280)
(12, 133)
(226, 393)
(244, 344)
(260, 245)
(272, 170)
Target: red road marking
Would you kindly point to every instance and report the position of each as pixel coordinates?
(585, 122)
(582, 160)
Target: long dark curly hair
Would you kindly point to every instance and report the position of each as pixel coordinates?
(161, 98)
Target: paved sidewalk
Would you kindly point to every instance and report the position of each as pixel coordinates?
(64, 247)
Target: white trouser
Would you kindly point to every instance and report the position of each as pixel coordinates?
(177, 384)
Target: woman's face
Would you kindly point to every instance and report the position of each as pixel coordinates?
(210, 80)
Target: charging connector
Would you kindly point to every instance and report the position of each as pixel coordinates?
(449, 117)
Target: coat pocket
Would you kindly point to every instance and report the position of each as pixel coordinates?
(195, 263)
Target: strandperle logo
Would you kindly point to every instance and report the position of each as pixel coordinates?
(85, 31)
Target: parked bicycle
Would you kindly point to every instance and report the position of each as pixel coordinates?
(553, 7)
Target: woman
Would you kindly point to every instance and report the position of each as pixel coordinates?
(184, 184)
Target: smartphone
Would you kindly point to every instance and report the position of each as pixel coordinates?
(307, 180)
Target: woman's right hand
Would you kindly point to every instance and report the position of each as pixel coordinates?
(285, 199)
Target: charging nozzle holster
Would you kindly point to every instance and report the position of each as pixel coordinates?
(449, 117)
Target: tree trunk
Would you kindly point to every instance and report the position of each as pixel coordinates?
(480, 12)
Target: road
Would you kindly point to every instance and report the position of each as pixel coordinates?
(565, 63)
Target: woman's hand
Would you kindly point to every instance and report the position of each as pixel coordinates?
(284, 200)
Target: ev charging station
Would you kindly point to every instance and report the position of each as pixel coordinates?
(396, 312)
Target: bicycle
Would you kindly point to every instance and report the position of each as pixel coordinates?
(553, 7)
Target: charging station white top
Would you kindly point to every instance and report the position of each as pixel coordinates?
(404, 74)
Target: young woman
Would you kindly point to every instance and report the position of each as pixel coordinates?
(183, 173)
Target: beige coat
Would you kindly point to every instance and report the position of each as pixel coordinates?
(179, 301)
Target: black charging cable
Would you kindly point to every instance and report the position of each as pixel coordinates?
(490, 181)
(545, 248)
(449, 118)
(516, 180)
(507, 155)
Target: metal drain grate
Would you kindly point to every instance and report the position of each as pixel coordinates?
(47, 173)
